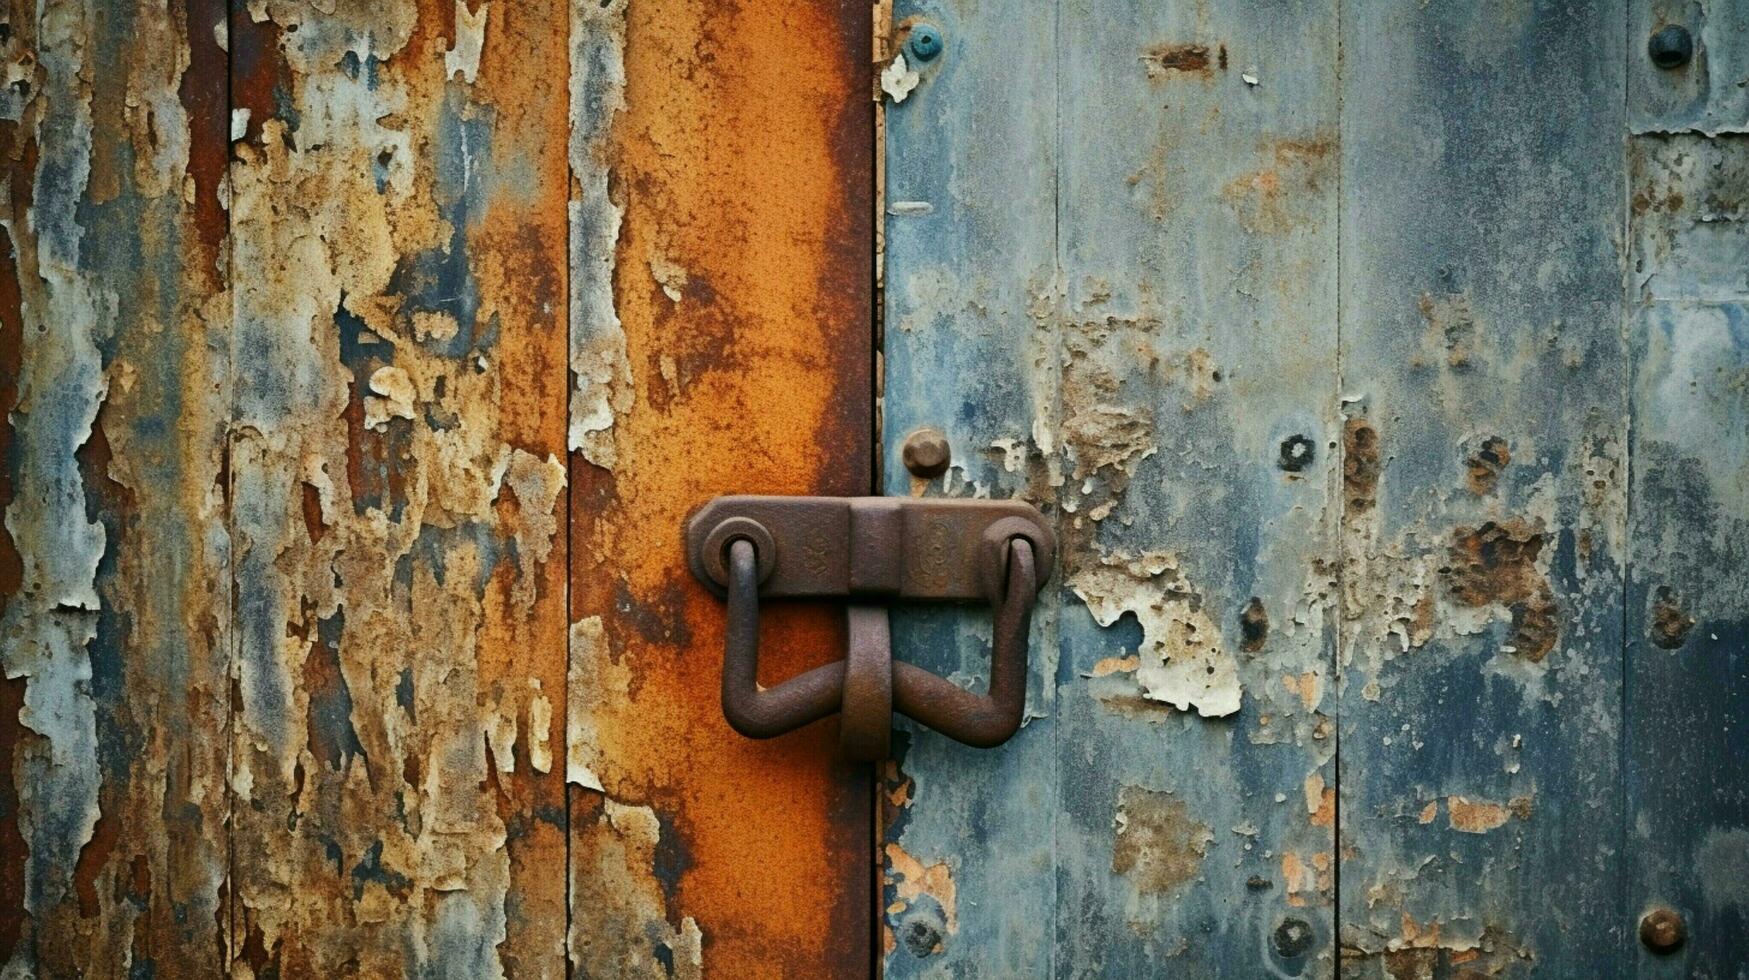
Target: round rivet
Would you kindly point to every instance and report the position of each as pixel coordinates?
(1663, 931)
(927, 453)
(1293, 938)
(924, 43)
(1670, 47)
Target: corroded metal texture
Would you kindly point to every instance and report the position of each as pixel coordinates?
(721, 343)
(1484, 383)
(1132, 324)
(114, 390)
(398, 211)
(1687, 843)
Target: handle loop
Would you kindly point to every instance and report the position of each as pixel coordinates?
(868, 685)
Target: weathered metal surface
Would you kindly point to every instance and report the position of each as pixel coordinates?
(1687, 700)
(1484, 382)
(720, 290)
(114, 391)
(398, 208)
(1133, 324)
(1708, 94)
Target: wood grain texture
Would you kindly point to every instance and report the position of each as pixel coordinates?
(114, 394)
(1111, 278)
(1484, 382)
(721, 343)
(398, 208)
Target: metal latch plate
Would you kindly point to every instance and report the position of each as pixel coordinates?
(900, 547)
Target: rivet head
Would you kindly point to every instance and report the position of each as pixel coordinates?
(926, 453)
(1663, 931)
(1293, 938)
(924, 43)
(1670, 47)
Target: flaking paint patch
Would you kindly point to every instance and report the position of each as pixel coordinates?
(601, 373)
(1183, 661)
(912, 881)
(594, 681)
(47, 627)
(400, 251)
(463, 57)
(1158, 845)
(1477, 816)
(614, 852)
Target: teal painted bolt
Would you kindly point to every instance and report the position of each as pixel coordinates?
(925, 42)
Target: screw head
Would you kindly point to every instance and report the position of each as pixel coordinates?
(1670, 47)
(924, 43)
(1293, 938)
(926, 453)
(1663, 931)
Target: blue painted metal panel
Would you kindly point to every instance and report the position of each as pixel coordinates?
(1687, 701)
(1111, 279)
(1485, 385)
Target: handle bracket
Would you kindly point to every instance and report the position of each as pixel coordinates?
(873, 549)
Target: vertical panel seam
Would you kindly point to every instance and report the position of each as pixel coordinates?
(1340, 543)
(1631, 369)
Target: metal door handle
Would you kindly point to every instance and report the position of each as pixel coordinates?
(745, 547)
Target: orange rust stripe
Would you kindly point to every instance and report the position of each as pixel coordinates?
(743, 159)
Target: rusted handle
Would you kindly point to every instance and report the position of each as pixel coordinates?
(868, 685)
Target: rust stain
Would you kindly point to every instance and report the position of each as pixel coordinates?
(1473, 816)
(1286, 191)
(1360, 465)
(113, 393)
(1253, 626)
(1670, 621)
(928, 924)
(1497, 564)
(749, 384)
(1155, 840)
(1484, 465)
(399, 204)
(1165, 60)
(1452, 334)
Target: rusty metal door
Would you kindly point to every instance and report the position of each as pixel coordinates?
(358, 363)
(1379, 366)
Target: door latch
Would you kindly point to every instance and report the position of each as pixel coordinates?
(873, 551)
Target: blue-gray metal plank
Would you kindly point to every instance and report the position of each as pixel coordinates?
(1160, 375)
(1485, 387)
(970, 277)
(1687, 847)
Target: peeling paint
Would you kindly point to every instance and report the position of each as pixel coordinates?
(613, 851)
(1182, 660)
(600, 372)
(397, 466)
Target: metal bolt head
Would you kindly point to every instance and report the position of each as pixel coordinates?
(924, 43)
(1294, 937)
(1670, 47)
(926, 453)
(1663, 931)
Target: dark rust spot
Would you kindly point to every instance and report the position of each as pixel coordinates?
(1297, 453)
(1496, 564)
(1485, 464)
(1670, 622)
(1360, 464)
(312, 502)
(1253, 626)
(1190, 58)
